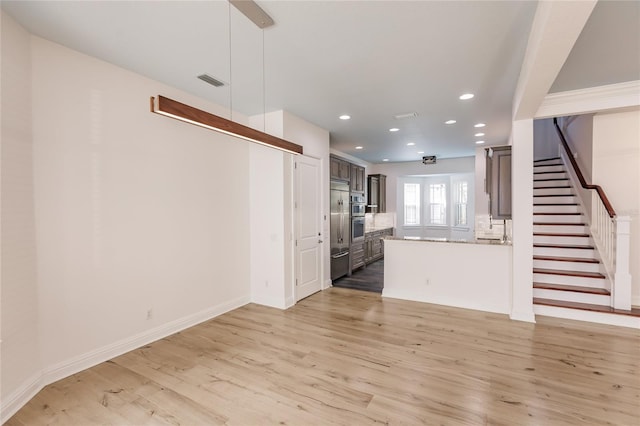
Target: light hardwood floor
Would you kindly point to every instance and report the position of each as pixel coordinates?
(350, 357)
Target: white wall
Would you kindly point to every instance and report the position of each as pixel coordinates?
(522, 214)
(416, 168)
(19, 353)
(616, 167)
(315, 141)
(142, 221)
(267, 240)
(271, 216)
(545, 139)
(448, 274)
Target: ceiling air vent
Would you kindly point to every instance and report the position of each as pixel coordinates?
(407, 115)
(212, 81)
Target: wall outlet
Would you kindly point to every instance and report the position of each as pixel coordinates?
(266, 283)
(149, 313)
(427, 281)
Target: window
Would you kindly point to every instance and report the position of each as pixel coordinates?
(438, 204)
(460, 194)
(412, 204)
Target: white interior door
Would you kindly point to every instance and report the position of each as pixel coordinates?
(308, 250)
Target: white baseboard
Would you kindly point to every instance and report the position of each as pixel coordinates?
(289, 302)
(523, 316)
(589, 316)
(327, 284)
(271, 302)
(464, 304)
(18, 398)
(50, 374)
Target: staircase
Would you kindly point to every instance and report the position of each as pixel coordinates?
(569, 279)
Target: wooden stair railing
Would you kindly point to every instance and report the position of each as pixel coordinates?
(581, 178)
(611, 234)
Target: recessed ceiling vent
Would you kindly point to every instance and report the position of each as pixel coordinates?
(212, 81)
(407, 115)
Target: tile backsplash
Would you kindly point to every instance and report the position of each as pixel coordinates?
(379, 220)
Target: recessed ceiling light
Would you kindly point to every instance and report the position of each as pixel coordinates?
(358, 147)
(393, 129)
(385, 159)
(344, 117)
(411, 144)
(450, 122)
(420, 152)
(466, 96)
(479, 142)
(478, 135)
(479, 125)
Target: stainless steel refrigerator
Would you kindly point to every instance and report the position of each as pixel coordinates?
(340, 229)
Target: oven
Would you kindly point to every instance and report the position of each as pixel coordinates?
(358, 205)
(357, 229)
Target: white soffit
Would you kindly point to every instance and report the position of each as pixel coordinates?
(592, 99)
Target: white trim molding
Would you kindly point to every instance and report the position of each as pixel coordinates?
(18, 398)
(591, 99)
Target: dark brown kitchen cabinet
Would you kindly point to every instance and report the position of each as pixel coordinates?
(374, 244)
(357, 178)
(377, 193)
(357, 255)
(339, 168)
(498, 181)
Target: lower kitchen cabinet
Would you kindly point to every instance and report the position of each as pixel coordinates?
(374, 244)
(357, 255)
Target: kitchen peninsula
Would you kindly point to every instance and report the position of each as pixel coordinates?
(472, 274)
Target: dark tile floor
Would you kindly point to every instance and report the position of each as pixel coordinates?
(369, 278)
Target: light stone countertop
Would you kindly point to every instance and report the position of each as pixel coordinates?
(447, 240)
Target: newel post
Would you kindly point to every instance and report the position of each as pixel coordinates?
(622, 277)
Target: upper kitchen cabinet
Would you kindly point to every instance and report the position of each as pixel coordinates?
(377, 192)
(498, 181)
(357, 179)
(340, 169)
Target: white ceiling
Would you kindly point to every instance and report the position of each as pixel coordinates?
(369, 59)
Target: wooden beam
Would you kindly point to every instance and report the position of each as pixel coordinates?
(174, 109)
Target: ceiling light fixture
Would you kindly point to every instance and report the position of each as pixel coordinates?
(466, 96)
(188, 114)
(479, 142)
(358, 147)
(478, 135)
(344, 117)
(393, 129)
(411, 144)
(420, 152)
(385, 159)
(450, 122)
(479, 125)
